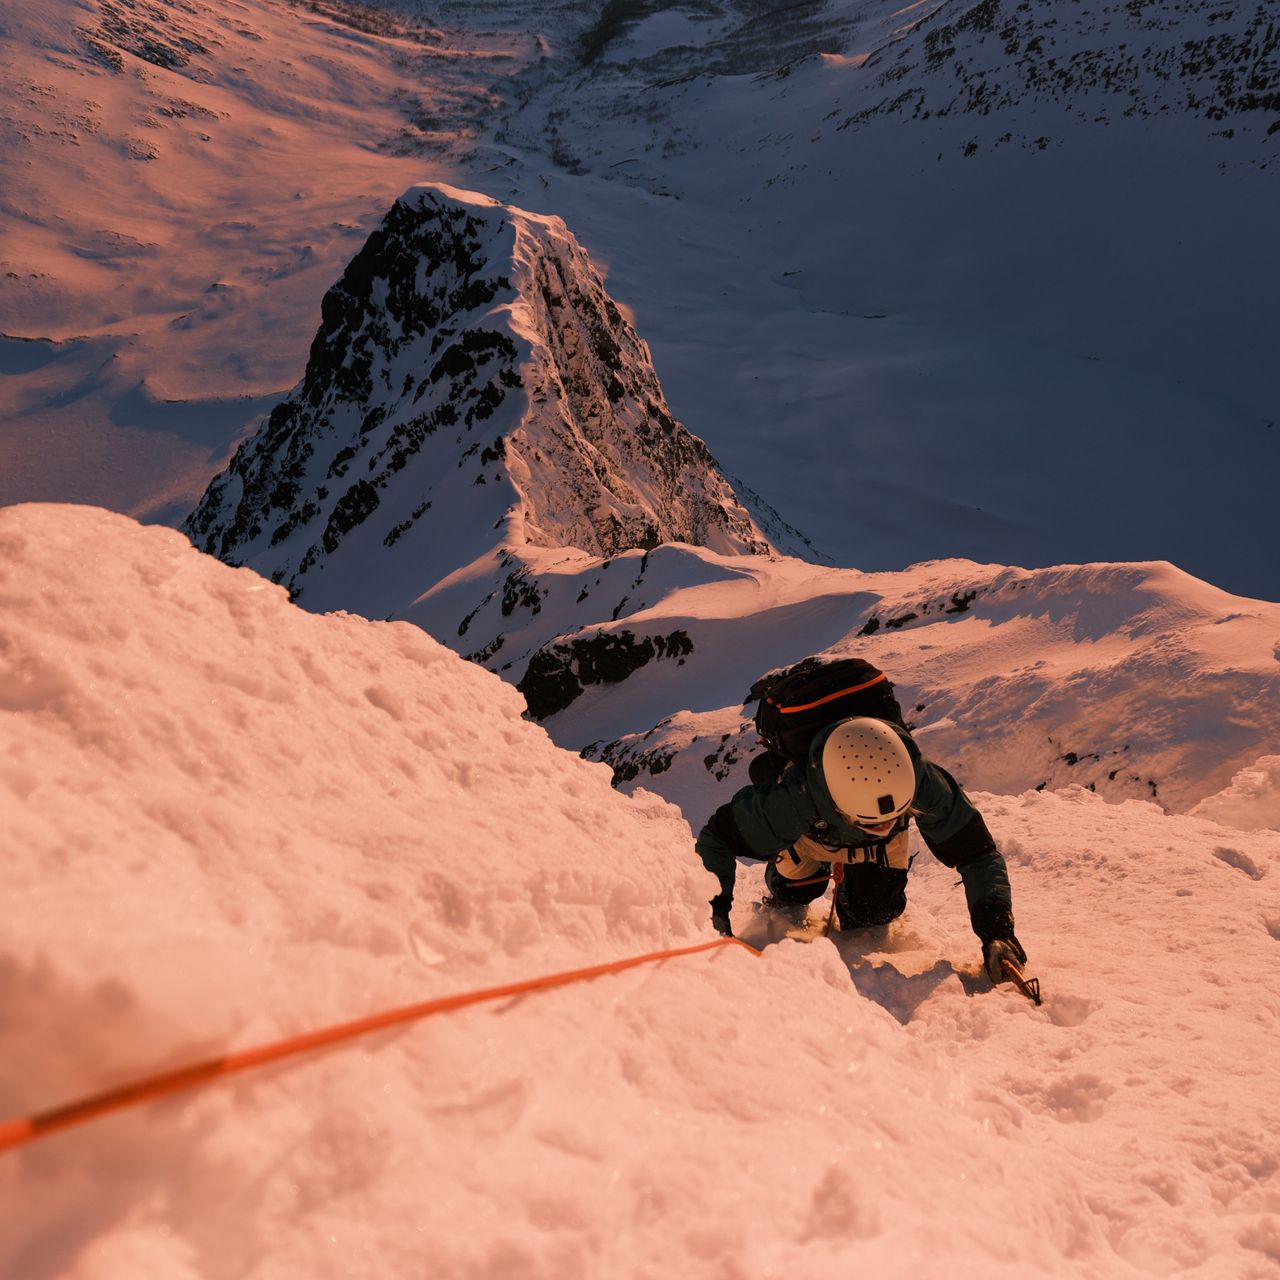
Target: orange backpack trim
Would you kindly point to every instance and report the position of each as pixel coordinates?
(830, 697)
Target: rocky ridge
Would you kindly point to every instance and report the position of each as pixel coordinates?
(473, 389)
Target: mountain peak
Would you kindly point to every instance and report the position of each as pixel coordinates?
(472, 386)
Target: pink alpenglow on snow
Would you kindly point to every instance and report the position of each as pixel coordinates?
(227, 819)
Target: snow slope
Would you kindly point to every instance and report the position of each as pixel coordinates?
(182, 184)
(1136, 681)
(228, 819)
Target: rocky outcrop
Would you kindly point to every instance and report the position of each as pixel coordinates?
(557, 673)
(471, 380)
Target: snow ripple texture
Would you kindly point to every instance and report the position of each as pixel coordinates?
(227, 819)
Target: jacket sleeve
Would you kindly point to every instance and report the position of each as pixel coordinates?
(957, 836)
(759, 822)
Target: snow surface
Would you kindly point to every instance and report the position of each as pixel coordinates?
(227, 820)
(1250, 800)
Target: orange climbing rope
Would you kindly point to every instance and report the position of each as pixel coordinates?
(26, 1129)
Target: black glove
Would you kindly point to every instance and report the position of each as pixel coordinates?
(720, 905)
(996, 950)
(993, 923)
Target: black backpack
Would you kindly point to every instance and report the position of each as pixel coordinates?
(796, 703)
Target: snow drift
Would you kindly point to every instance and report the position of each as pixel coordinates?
(227, 819)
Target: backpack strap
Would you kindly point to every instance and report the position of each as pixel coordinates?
(830, 697)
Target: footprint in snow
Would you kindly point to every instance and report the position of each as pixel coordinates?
(1241, 862)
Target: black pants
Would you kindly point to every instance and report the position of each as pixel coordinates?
(870, 894)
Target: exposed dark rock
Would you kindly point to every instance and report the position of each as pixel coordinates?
(482, 655)
(557, 673)
(353, 508)
(398, 531)
(152, 32)
(520, 591)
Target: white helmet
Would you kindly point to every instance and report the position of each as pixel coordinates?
(869, 771)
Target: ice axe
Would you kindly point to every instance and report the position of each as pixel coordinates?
(1030, 987)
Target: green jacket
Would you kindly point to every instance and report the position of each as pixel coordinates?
(762, 821)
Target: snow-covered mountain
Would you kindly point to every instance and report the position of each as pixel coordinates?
(1014, 350)
(228, 820)
(1133, 681)
(767, 333)
(1015, 64)
(472, 391)
(182, 183)
(480, 445)
(1006, 64)
(995, 268)
(1004, 73)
